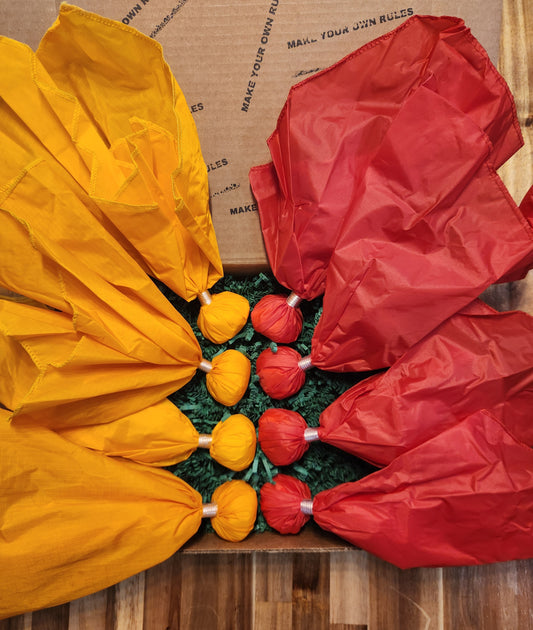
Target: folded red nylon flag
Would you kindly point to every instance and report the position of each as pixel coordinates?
(408, 285)
(464, 497)
(329, 129)
(477, 359)
(425, 236)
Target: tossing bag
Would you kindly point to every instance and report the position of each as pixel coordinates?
(161, 435)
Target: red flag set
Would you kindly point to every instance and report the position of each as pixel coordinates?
(383, 196)
(477, 359)
(435, 505)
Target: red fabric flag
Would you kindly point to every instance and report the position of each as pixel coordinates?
(329, 130)
(464, 497)
(477, 359)
(405, 287)
(424, 237)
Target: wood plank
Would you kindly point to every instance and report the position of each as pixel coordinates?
(491, 597)
(273, 575)
(129, 603)
(383, 587)
(516, 66)
(273, 616)
(310, 591)
(421, 599)
(87, 613)
(110, 613)
(158, 593)
(404, 598)
(55, 618)
(21, 622)
(348, 587)
(216, 591)
(273, 578)
(175, 593)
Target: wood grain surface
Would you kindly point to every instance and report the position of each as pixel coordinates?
(340, 588)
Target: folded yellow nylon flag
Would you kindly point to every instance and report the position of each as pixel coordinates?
(54, 251)
(161, 435)
(69, 378)
(128, 95)
(74, 521)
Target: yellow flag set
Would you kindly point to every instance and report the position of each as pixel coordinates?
(103, 184)
(75, 521)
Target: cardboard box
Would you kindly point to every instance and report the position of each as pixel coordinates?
(235, 62)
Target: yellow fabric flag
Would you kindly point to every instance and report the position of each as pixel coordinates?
(54, 251)
(161, 435)
(75, 521)
(123, 85)
(37, 120)
(71, 379)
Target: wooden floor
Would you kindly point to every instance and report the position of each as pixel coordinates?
(341, 590)
(338, 589)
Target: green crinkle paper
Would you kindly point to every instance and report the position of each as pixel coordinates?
(323, 466)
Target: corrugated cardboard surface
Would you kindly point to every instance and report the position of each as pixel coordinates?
(235, 62)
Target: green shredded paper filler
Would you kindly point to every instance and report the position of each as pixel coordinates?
(323, 466)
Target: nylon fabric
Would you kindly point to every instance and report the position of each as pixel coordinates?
(444, 503)
(477, 359)
(334, 122)
(67, 512)
(124, 86)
